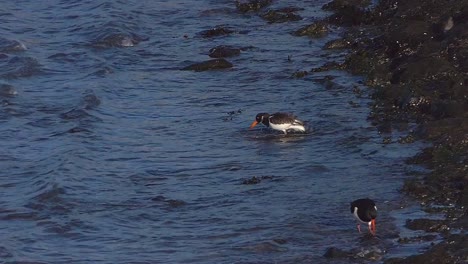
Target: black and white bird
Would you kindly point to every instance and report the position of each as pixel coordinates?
(279, 121)
(365, 212)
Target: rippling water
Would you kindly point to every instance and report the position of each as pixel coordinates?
(111, 154)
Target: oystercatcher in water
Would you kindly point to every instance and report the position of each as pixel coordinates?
(279, 121)
(365, 211)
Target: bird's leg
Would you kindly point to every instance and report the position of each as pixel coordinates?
(359, 227)
(372, 228)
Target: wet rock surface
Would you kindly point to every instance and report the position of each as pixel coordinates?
(415, 55)
(453, 250)
(428, 225)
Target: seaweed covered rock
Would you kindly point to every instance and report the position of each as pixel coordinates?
(315, 30)
(281, 15)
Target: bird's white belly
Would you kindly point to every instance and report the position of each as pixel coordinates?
(285, 127)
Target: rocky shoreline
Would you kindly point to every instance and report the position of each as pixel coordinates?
(414, 55)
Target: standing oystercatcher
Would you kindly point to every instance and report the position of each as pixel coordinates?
(365, 211)
(279, 121)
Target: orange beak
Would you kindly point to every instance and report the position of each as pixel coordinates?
(253, 124)
(372, 227)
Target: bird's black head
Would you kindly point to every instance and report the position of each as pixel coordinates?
(261, 117)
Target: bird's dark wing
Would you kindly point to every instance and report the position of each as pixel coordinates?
(281, 118)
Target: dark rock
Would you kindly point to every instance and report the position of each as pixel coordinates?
(340, 4)
(216, 64)
(91, 101)
(300, 74)
(224, 52)
(417, 239)
(78, 130)
(253, 5)
(315, 30)
(253, 180)
(216, 32)
(333, 253)
(350, 16)
(256, 180)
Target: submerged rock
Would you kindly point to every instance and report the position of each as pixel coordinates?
(9, 46)
(7, 90)
(18, 67)
(256, 180)
(216, 64)
(216, 32)
(224, 52)
(333, 253)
